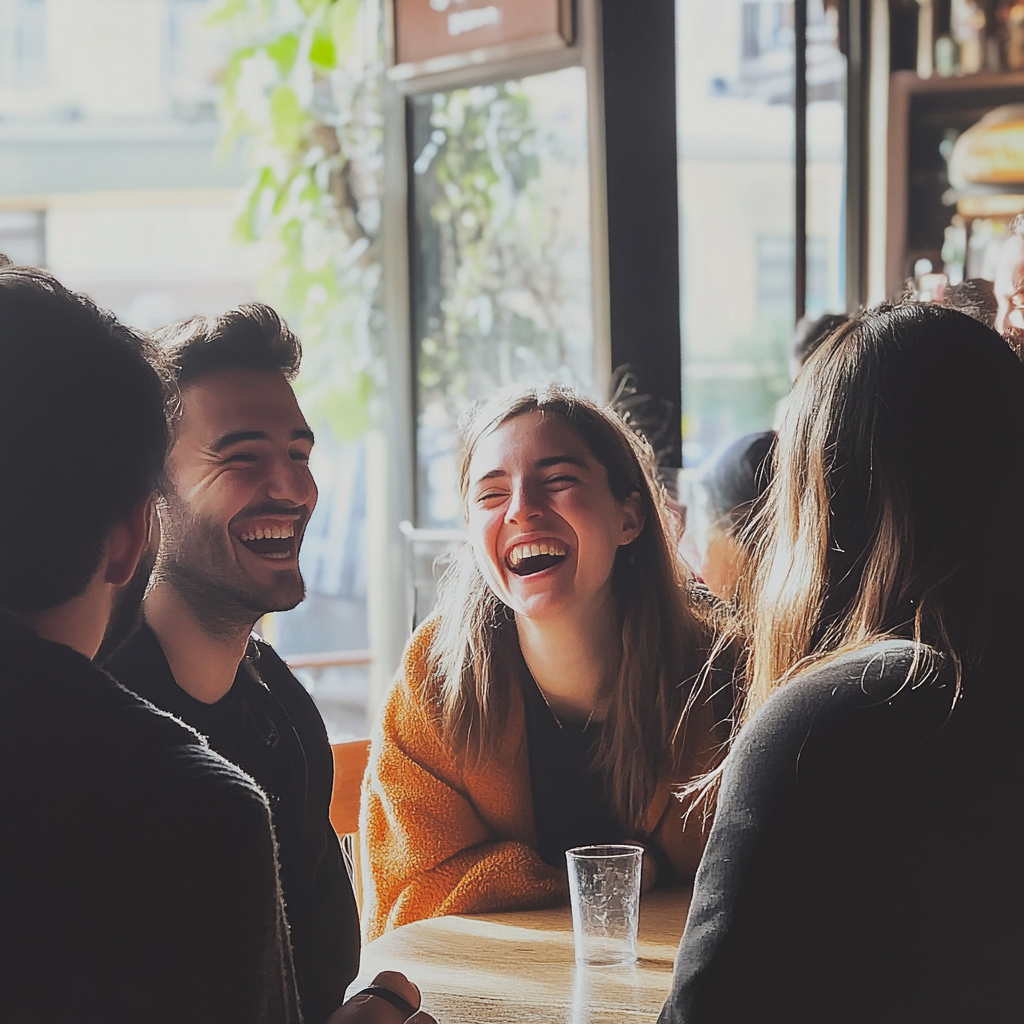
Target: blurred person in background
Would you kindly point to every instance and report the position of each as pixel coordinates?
(1009, 287)
(974, 296)
(864, 863)
(558, 694)
(808, 337)
(733, 485)
(236, 496)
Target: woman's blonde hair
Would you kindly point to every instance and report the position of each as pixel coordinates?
(475, 654)
(897, 502)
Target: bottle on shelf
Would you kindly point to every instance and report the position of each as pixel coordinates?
(925, 38)
(967, 26)
(1013, 36)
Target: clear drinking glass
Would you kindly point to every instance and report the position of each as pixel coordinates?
(604, 888)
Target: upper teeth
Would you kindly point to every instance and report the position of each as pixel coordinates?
(542, 547)
(269, 532)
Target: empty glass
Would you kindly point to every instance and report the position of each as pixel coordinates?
(604, 888)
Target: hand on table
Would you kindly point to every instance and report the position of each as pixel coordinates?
(364, 1008)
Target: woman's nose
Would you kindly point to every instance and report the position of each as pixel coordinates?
(523, 505)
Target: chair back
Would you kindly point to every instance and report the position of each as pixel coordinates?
(350, 760)
(427, 556)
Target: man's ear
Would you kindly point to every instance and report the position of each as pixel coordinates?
(632, 518)
(126, 541)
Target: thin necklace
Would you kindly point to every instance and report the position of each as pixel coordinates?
(558, 721)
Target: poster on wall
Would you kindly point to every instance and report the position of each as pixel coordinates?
(438, 35)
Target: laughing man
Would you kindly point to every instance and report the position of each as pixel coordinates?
(236, 498)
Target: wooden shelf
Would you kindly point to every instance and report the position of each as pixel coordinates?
(909, 83)
(907, 91)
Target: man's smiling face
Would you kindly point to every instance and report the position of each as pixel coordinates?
(240, 494)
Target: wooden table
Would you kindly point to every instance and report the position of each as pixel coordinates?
(519, 966)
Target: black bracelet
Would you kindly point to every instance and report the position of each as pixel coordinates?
(404, 1008)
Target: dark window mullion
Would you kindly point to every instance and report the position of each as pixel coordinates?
(800, 158)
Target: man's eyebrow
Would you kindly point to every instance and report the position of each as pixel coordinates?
(237, 436)
(227, 440)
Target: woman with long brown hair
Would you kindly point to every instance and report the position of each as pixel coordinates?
(542, 707)
(865, 860)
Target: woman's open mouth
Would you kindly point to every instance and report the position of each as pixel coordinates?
(532, 558)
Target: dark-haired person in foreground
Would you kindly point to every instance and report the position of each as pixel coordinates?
(865, 859)
(140, 881)
(236, 497)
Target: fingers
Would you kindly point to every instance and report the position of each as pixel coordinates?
(400, 985)
(367, 1007)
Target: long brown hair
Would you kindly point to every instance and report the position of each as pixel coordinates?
(475, 657)
(897, 503)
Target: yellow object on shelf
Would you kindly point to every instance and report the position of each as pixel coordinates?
(991, 152)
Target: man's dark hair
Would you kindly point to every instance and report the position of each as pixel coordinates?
(976, 297)
(251, 337)
(737, 480)
(810, 334)
(83, 435)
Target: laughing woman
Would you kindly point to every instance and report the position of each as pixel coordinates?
(557, 697)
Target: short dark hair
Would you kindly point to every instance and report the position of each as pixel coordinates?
(810, 334)
(737, 479)
(976, 297)
(250, 337)
(83, 435)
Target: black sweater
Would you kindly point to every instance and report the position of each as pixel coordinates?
(140, 881)
(865, 864)
(268, 725)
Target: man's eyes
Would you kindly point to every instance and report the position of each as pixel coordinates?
(296, 455)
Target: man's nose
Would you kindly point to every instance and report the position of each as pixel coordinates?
(292, 481)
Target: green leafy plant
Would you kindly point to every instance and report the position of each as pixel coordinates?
(302, 96)
(499, 244)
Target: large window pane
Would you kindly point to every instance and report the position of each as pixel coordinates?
(736, 194)
(501, 257)
(826, 162)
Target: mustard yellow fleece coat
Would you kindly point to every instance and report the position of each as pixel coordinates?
(439, 836)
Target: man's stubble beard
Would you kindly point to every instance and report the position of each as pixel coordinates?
(197, 560)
